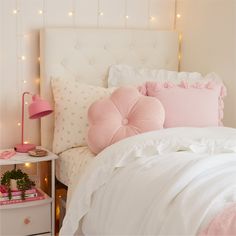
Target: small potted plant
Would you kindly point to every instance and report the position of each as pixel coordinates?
(16, 180)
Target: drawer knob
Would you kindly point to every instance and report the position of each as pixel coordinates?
(26, 221)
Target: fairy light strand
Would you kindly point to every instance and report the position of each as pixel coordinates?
(18, 70)
(149, 14)
(42, 11)
(21, 82)
(126, 14)
(180, 51)
(177, 16)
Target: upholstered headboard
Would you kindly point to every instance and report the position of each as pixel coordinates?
(86, 54)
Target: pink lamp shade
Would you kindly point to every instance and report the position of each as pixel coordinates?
(39, 108)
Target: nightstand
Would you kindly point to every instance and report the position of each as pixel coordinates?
(32, 217)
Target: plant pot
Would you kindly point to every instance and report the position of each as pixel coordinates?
(13, 185)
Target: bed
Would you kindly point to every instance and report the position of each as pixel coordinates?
(153, 183)
(72, 162)
(73, 53)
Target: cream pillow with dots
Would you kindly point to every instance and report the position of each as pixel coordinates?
(72, 100)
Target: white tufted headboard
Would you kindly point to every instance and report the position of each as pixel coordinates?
(86, 54)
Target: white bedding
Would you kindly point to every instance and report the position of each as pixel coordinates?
(147, 184)
(71, 163)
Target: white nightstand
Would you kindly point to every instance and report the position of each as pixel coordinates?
(33, 217)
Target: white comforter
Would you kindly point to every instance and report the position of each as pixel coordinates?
(168, 182)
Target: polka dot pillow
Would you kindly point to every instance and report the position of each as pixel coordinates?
(72, 100)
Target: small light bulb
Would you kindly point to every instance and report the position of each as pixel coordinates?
(23, 58)
(40, 12)
(180, 37)
(152, 18)
(24, 81)
(70, 13)
(127, 17)
(178, 15)
(26, 142)
(27, 164)
(15, 11)
(26, 103)
(38, 58)
(101, 13)
(37, 81)
(19, 124)
(46, 179)
(59, 196)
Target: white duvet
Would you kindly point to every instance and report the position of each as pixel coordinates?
(168, 182)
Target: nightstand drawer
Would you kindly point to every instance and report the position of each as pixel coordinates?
(26, 220)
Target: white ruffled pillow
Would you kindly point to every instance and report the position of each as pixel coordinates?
(123, 75)
(72, 100)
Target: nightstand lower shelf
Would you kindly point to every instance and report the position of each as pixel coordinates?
(33, 217)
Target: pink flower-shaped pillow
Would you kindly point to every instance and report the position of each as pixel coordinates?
(125, 113)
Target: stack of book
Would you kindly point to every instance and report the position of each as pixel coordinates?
(30, 195)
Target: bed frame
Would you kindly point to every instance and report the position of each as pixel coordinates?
(86, 54)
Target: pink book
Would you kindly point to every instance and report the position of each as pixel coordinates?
(40, 196)
(4, 193)
(18, 197)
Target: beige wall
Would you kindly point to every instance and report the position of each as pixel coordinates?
(209, 44)
(19, 37)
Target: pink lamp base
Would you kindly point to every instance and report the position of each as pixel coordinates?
(24, 147)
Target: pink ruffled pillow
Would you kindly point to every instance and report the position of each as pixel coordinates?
(198, 104)
(125, 113)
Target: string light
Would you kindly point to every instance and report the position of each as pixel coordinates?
(57, 212)
(27, 164)
(26, 142)
(178, 15)
(24, 81)
(179, 57)
(40, 12)
(19, 124)
(15, 11)
(152, 18)
(126, 14)
(39, 59)
(70, 13)
(180, 37)
(37, 81)
(46, 180)
(180, 51)
(23, 58)
(26, 103)
(19, 34)
(101, 13)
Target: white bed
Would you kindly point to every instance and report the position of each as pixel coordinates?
(87, 54)
(155, 183)
(72, 162)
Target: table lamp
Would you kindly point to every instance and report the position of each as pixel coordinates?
(37, 109)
